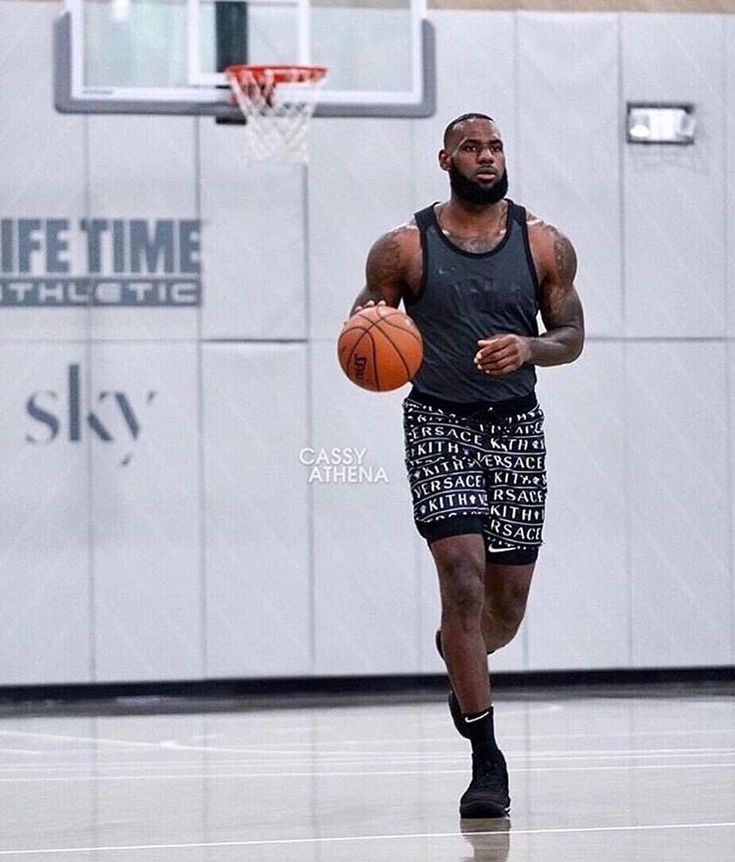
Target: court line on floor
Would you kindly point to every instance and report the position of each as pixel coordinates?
(263, 747)
(571, 830)
(366, 758)
(350, 774)
(173, 745)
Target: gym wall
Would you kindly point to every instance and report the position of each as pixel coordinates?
(159, 523)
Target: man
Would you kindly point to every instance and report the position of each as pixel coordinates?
(473, 272)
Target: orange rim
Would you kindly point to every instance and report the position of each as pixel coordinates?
(264, 75)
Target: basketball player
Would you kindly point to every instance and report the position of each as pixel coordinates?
(473, 273)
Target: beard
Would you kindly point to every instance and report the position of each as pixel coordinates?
(477, 193)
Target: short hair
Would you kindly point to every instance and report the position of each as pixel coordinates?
(457, 120)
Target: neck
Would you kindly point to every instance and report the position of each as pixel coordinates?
(461, 211)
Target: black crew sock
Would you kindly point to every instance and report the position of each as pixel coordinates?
(481, 728)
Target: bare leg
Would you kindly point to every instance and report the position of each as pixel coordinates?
(480, 611)
(506, 595)
(460, 563)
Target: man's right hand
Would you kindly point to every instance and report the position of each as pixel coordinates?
(368, 304)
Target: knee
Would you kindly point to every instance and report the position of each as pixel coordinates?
(503, 631)
(461, 585)
(511, 612)
(505, 620)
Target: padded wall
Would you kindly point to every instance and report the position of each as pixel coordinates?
(160, 520)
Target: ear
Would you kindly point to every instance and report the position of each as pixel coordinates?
(444, 160)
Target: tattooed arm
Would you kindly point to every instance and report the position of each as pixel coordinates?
(561, 310)
(388, 265)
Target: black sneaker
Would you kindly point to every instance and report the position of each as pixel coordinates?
(455, 710)
(487, 796)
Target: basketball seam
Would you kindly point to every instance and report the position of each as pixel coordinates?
(385, 319)
(366, 331)
(375, 364)
(400, 355)
(354, 348)
(381, 318)
(410, 332)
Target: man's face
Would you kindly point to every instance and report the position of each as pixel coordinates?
(474, 159)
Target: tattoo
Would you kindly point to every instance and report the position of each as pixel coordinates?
(561, 309)
(566, 259)
(385, 259)
(386, 268)
(484, 242)
(558, 284)
(560, 305)
(474, 244)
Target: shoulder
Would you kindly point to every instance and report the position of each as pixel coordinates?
(397, 244)
(552, 249)
(405, 232)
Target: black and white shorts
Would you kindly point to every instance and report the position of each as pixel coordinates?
(478, 471)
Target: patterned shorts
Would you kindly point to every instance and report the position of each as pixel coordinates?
(478, 473)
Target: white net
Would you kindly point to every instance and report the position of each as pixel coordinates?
(277, 103)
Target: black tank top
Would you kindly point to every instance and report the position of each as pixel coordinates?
(465, 296)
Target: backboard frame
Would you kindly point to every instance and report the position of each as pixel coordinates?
(205, 95)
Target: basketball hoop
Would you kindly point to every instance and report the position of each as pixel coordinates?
(277, 103)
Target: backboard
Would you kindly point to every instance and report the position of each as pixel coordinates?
(168, 56)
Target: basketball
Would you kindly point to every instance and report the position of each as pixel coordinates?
(380, 348)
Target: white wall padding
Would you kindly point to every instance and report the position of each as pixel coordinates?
(678, 504)
(146, 512)
(365, 562)
(568, 134)
(360, 185)
(674, 231)
(45, 576)
(579, 608)
(42, 169)
(258, 591)
(253, 233)
(144, 168)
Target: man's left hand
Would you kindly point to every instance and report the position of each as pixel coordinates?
(502, 354)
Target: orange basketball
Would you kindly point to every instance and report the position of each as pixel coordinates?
(380, 348)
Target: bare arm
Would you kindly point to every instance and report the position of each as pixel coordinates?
(561, 309)
(561, 312)
(385, 270)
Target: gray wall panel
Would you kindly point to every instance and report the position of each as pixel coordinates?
(730, 171)
(365, 564)
(44, 568)
(568, 136)
(730, 394)
(253, 239)
(360, 186)
(145, 505)
(579, 612)
(42, 169)
(330, 577)
(258, 601)
(143, 168)
(674, 196)
(730, 270)
(679, 497)
(463, 85)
